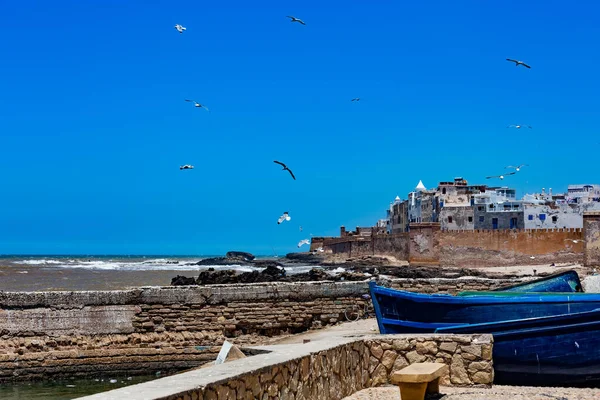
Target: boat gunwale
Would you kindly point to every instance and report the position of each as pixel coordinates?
(518, 297)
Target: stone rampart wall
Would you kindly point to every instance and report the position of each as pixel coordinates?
(54, 334)
(330, 373)
(426, 244)
(510, 247)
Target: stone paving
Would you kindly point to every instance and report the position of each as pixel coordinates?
(493, 393)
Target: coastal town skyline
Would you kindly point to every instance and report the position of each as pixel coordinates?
(95, 169)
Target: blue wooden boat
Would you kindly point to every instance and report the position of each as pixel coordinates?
(547, 351)
(398, 311)
(563, 282)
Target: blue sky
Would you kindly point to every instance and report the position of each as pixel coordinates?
(93, 123)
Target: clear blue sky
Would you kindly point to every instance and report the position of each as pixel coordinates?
(93, 123)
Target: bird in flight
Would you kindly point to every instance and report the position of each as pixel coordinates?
(500, 176)
(517, 63)
(300, 228)
(284, 217)
(285, 168)
(519, 126)
(356, 99)
(187, 166)
(518, 167)
(196, 104)
(574, 240)
(294, 19)
(303, 242)
(180, 28)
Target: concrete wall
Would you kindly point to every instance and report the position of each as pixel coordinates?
(322, 370)
(564, 216)
(423, 245)
(591, 227)
(503, 217)
(512, 247)
(462, 218)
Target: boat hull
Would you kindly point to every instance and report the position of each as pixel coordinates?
(405, 312)
(562, 282)
(560, 350)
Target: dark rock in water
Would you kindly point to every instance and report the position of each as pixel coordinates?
(222, 261)
(305, 258)
(274, 270)
(216, 277)
(181, 280)
(242, 255)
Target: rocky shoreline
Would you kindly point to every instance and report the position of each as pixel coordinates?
(325, 268)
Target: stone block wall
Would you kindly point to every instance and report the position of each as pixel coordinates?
(426, 244)
(52, 334)
(450, 286)
(56, 334)
(509, 247)
(340, 370)
(66, 356)
(591, 228)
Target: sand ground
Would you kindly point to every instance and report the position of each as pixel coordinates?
(493, 393)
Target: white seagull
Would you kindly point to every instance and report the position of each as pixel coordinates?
(575, 240)
(303, 242)
(300, 228)
(519, 126)
(196, 104)
(517, 167)
(517, 63)
(180, 28)
(187, 166)
(500, 176)
(294, 19)
(320, 249)
(284, 217)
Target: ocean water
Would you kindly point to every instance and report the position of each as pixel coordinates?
(129, 263)
(66, 389)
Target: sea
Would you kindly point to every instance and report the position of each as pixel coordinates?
(132, 263)
(96, 272)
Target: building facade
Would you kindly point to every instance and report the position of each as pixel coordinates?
(456, 205)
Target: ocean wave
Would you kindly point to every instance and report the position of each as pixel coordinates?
(141, 264)
(39, 262)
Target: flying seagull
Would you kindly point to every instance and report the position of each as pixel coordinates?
(356, 99)
(517, 63)
(284, 217)
(187, 166)
(285, 168)
(518, 167)
(294, 19)
(575, 240)
(300, 228)
(519, 126)
(180, 28)
(303, 242)
(196, 104)
(500, 176)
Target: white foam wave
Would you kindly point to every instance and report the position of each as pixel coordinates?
(158, 264)
(39, 262)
